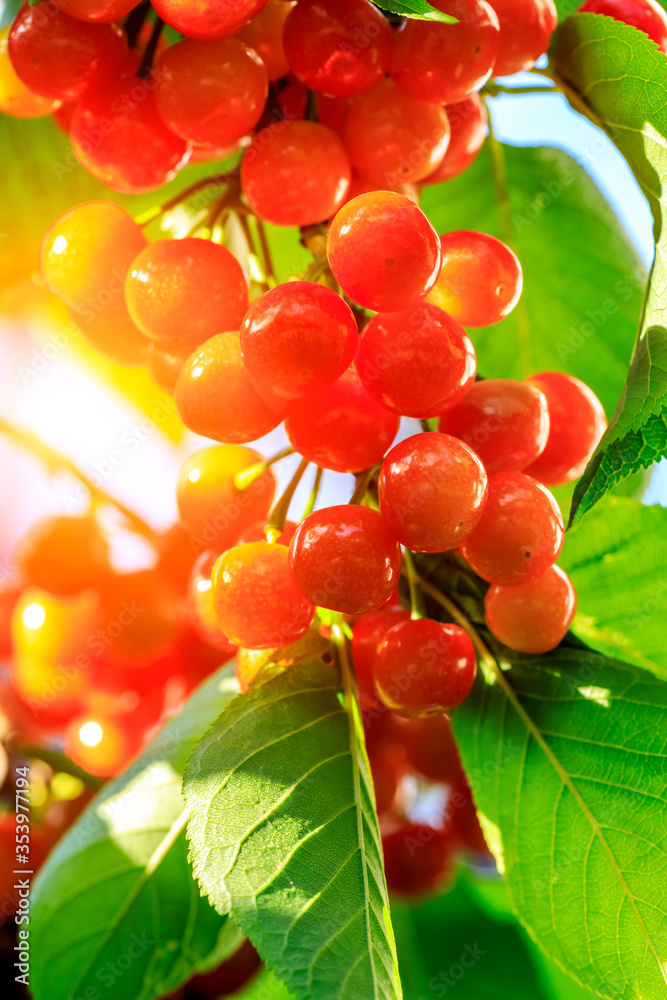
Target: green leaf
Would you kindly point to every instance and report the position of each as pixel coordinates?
(618, 565)
(283, 834)
(116, 905)
(566, 756)
(618, 76)
(416, 9)
(8, 11)
(583, 279)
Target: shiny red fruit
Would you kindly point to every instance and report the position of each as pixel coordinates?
(469, 124)
(201, 609)
(205, 20)
(647, 15)
(386, 769)
(165, 359)
(64, 555)
(532, 617)
(140, 618)
(368, 632)
(431, 749)
(417, 859)
(96, 11)
(525, 32)
(264, 34)
(16, 99)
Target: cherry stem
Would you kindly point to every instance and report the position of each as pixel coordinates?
(146, 64)
(429, 424)
(246, 477)
(218, 180)
(135, 21)
(417, 609)
(276, 523)
(266, 250)
(252, 250)
(312, 499)
(363, 481)
(55, 462)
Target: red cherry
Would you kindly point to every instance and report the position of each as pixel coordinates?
(360, 185)
(165, 360)
(96, 11)
(432, 491)
(16, 99)
(647, 15)
(462, 814)
(345, 558)
(576, 423)
(386, 768)
(292, 97)
(205, 20)
(342, 427)
(469, 124)
(383, 251)
(431, 749)
(331, 111)
(368, 632)
(64, 555)
(506, 425)
(520, 534)
(264, 34)
(140, 618)
(525, 31)
(201, 609)
(532, 617)
(417, 859)
(256, 600)
(417, 362)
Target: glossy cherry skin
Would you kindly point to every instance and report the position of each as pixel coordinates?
(141, 618)
(113, 333)
(205, 20)
(393, 138)
(532, 617)
(431, 750)
(256, 599)
(520, 534)
(525, 32)
(295, 173)
(417, 362)
(16, 98)
(264, 34)
(360, 185)
(165, 360)
(432, 491)
(211, 93)
(58, 56)
(505, 422)
(215, 397)
(341, 48)
(298, 338)
(186, 289)
(64, 555)
(368, 632)
(201, 608)
(345, 558)
(383, 251)
(423, 668)
(417, 859)
(96, 11)
(647, 15)
(480, 281)
(576, 423)
(446, 63)
(341, 427)
(469, 124)
(211, 507)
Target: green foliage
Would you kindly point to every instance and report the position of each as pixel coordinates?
(618, 76)
(565, 754)
(283, 835)
(8, 11)
(416, 9)
(116, 906)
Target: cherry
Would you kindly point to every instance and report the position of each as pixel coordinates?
(386, 768)
(417, 859)
(215, 397)
(165, 360)
(331, 112)
(368, 632)
(525, 31)
(532, 617)
(360, 185)
(140, 618)
(342, 427)
(505, 422)
(463, 816)
(211, 92)
(228, 979)
(341, 48)
(393, 138)
(112, 332)
(647, 15)
(292, 97)
(417, 362)
(298, 338)
(480, 281)
(383, 251)
(186, 289)
(17, 99)
(468, 121)
(96, 11)
(205, 20)
(59, 56)
(256, 600)
(295, 173)
(446, 63)
(576, 423)
(201, 609)
(431, 749)
(211, 507)
(64, 555)
(264, 34)
(99, 745)
(520, 534)
(432, 491)
(345, 558)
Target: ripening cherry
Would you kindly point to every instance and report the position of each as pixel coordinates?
(505, 422)
(386, 769)
(140, 618)
(431, 749)
(447, 63)
(331, 112)
(417, 859)
(211, 507)
(647, 15)
(393, 138)
(341, 427)
(532, 617)
(424, 667)
(64, 555)
(211, 93)
(112, 332)
(96, 11)
(360, 185)
(292, 98)
(165, 360)
(368, 632)
(16, 98)
(576, 423)
(525, 31)
(256, 599)
(295, 173)
(432, 491)
(99, 745)
(520, 534)
(383, 251)
(186, 289)
(201, 610)
(206, 20)
(264, 34)
(480, 280)
(417, 362)
(341, 48)
(469, 124)
(345, 558)
(298, 338)
(462, 816)
(215, 397)
(59, 56)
